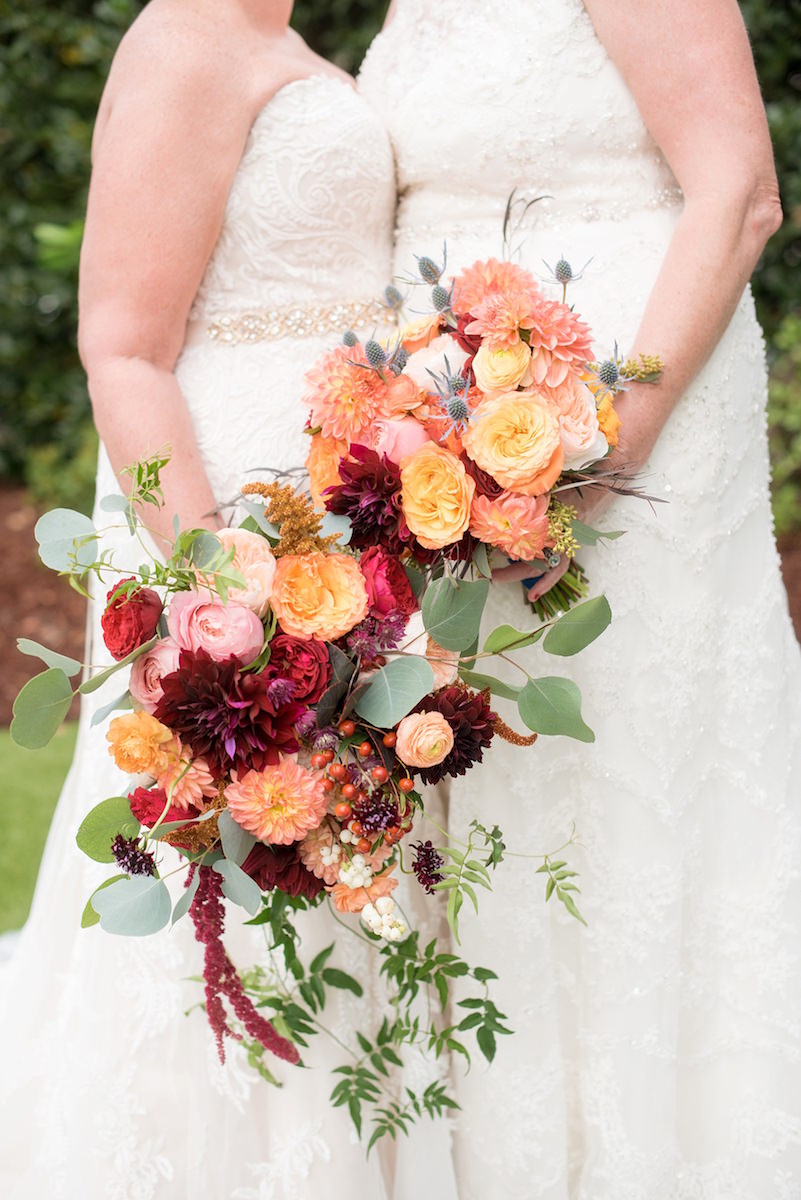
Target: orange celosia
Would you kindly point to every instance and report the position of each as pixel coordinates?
(279, 804)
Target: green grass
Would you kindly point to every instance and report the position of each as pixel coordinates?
(31, 782)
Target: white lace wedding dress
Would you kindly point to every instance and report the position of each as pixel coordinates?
(658, 1052)
(107, 1090)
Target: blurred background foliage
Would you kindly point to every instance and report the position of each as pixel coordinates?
(53, 62)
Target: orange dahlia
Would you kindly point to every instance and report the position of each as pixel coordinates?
(279, 804)
(345, 395)
(518, 525)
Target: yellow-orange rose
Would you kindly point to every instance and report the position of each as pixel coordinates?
(500, 370)
(436, 494)
(424, 739)
(516, 438)
(419, 333)
(318, 595)
(139, 744)
(322, 463)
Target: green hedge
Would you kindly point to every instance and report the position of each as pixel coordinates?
(54, 59)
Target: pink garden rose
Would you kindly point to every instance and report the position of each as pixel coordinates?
(254, 559)
(398, 439)
(202, 622)
(582, 439)
(388, 587)
(148, 671)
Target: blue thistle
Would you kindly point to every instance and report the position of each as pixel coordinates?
(440, 298)
(349, 338)
(399, 359)
(608, 374)
(393, 297)
(375, 354)
(429, 271)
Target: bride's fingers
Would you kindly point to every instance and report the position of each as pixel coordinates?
(518, 570)
(546, 581)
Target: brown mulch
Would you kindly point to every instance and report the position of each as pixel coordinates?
(39, 605)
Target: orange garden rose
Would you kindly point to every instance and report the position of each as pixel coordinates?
(139, 744)
(436, 493)
(608, 420)
(402, 396)
(515, 437)
(517, 524)
(353, 900)
(419, 333)
(424, 739)
(280, 804)
(322, 463)
(500, 370)
(319, 595)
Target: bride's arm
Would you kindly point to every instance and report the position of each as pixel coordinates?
(169, 137)
(689, 67)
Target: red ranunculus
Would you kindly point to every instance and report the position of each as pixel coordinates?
(388, 587)
(147, 805)
(305, 663)
(130, 618)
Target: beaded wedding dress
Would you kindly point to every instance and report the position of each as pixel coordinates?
(107, 1089)
(657, 1053)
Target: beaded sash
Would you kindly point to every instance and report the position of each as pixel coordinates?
(295, 322)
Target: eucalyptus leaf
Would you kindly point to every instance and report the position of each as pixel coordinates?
(97, 681)
(329, 702)
(256, 511)
(585, 535)
(452, 611)
(336, 523)
(552, 706)
(51, 658)
(102, 824)
(205, 549)
(578, 627)
(394, 690)
(57, 532)
(133, 907)
(481, 562)
(498, 688)
(40, 707)
(184, 901)
(114, 502)
(89, 916)
(237, 843)
(121, 703)
(238, 887)
(416, 578)
(506, 637)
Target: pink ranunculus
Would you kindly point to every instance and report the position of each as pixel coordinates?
(399, 439)
(203, 622)
(148, 671)
(388, 587)
(582, 439)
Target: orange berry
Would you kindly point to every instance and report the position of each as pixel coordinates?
(343, 811)
(364, 846)
(389, 739)
(347, 728)
(357, 828)
(319, 760)
(406, 784)
(338, 771)
(328, 755)
(365, 749)
(328, 785)
(348, 791)
(380, 774)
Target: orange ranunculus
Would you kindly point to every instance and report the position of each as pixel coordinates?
(139, 744)
(424, 739)
(279, 804)
(608, 420)
(436, 493)
(515, 438)
(353, 900)
(419, 333)
(322, 463)
(317, 595)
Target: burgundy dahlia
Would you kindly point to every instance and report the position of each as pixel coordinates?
(472, 721)
(370, 495)
(427, 865)
(280, 867)
(227, 717)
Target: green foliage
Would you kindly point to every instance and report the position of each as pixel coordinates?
(784, 414)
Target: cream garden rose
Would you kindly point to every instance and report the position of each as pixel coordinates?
(502, 369)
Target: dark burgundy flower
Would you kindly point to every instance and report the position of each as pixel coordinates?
(130, 618)
(388, 587)
(280, 867)
(147, 805)
(471, 342)
(459, 551)
(427, 865)
(377, 813)
(129, 856)
(227, 717)
(373, 636)
(471, 719)
(485, 484)
(304, 663)
(370, 496)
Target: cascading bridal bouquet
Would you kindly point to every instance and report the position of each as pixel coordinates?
(294, 681)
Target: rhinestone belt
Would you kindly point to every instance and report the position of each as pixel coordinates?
(274, 323)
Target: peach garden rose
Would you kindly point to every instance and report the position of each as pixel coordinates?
(139, 744)
(582, 439)
(436, 493)
(254, 559)
(516, 438)
(319, 595)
